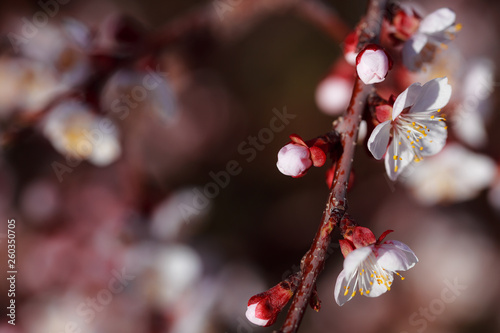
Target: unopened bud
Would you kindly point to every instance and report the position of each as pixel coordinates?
(263, 308)
(373, 64)
(294, 160)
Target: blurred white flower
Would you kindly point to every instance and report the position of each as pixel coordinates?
(55, 313)
(178, 268)
(472, 113)
(456, 174)
(435, 31)
(40, 200)
(333, 95)
(76, 132)
(180, 211)
(26, 85)
(127, 91)
(54, 47)
(415, 126)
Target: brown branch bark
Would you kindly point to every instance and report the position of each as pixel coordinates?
(347, 127)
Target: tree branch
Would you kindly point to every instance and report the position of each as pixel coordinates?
(313, 262)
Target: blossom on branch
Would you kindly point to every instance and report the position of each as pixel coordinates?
(370, 264)
(416, 126)
(295, 158)
(435, 31)
(373, 64)
(263, 308)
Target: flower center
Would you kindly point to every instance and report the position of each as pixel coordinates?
(368, 273)
(412, 130)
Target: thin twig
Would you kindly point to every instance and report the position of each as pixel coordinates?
(313, 262)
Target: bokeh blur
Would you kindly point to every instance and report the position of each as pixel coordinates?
(138, 159)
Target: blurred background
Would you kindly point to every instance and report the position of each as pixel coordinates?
(139, 143)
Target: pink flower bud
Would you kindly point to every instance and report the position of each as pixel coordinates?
(263, 308)
(373, 64)
(294, 160)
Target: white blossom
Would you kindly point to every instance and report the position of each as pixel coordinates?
(435, 31)
(76, 132)
(417, 126)
(455, 174)
(369, 270)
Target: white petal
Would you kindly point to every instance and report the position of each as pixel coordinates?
(437, 21)
(105, 152)
(393, 258)
(250, 314)
(434, 95)
(411, 51)
(404, 156)
(470, 127)
(341, 297)
(378, 289)
(405, 99)
(355, 258)
(436, 137)
(379, 139)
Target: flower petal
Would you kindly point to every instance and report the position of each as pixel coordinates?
(436, 137)
(355, 258)
(412, 49)
(437, 21)
(434, 95)
(378, 289)
(396, 256)
(344, 287)
(379, 139)
(251, 315)
(405, 99)
(398, 156)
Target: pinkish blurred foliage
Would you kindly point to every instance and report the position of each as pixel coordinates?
(144, 187)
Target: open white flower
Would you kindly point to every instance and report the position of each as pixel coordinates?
(416, 126)
(369, 270)
(77, 133)
(435, 31)
(455, 174)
